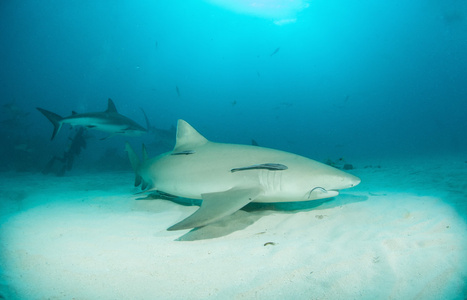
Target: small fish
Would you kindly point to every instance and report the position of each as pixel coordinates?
(275, 51)
(178, 91)
(186, 152)
(268, 166)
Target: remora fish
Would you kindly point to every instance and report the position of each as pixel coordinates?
(108, 121)
(229, 176)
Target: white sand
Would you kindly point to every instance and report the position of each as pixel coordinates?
(401, 234)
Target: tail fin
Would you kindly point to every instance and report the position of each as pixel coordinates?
(134, 160)
(54, 118)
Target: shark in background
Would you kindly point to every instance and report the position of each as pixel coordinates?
(18, 144)
(162, 139)
(14, 110)
(108, 121)
(229, 176)
(14, 118)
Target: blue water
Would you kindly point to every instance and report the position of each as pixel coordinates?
(363, 82)
(364, 79)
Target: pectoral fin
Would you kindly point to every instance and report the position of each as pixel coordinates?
(218, 205)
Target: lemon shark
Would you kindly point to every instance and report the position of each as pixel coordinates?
(109, 121)
(229, 176)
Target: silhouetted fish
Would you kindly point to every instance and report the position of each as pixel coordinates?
(178, 91)
(275, 51)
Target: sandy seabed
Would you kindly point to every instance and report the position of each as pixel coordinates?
(400, 234)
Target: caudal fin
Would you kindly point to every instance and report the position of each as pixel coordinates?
(54, 118)
(134, 160)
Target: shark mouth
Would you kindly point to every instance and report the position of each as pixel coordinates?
(320, 192)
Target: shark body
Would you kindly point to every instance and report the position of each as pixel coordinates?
(229, 176)
(109, 121)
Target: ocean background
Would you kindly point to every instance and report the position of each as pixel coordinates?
(353, 79)
(369, 83)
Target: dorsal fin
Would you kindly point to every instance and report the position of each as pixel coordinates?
(145, 153)
(111, 107)
(187, 137)
(73, 113)
(148, 125)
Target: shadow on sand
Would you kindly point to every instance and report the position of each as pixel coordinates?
(252, 213)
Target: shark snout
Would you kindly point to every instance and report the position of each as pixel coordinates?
(347, 182)
(341, 182)
(353, 180)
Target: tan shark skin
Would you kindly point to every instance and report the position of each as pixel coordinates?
(201, 169)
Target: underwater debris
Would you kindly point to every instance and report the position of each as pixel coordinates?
(377, 194)
(76, 145)
(339, 164)
(335, 163)
(371, 166)
(320, 217)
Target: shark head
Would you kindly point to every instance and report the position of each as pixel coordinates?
(303, 180)
(326, 184)
(130, 128)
